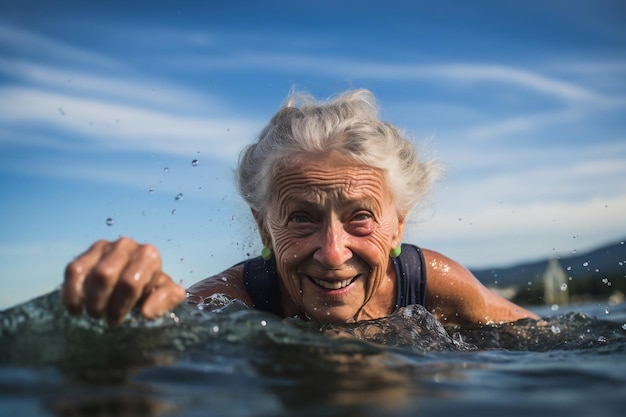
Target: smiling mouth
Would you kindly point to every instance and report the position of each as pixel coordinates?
(333, 285)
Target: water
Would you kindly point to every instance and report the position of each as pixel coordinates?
(231, 361)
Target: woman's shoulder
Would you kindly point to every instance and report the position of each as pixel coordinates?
(437, 261)
(229, 283)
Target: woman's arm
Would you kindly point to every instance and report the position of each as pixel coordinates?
(455, 296)
(111, 278)
(229, 283)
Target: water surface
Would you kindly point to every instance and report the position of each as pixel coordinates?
(232, 361)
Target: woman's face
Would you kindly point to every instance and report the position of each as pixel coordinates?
(332, 224)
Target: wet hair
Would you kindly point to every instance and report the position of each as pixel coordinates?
(348, 124)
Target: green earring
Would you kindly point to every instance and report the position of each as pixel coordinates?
(266, 253)
(395, 252)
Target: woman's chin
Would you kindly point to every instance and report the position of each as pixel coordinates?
(332, 314)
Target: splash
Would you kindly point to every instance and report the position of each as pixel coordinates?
(42, 332)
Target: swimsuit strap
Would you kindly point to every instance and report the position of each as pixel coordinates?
(411, 276)
(261, 282)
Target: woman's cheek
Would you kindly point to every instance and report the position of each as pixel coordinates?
(286, 248)
(292, 284)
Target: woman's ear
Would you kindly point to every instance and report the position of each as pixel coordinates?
(397, 237)
(266, 238)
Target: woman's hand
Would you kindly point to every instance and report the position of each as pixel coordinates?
(111, 278)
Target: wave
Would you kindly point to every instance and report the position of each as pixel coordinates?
(41, 332)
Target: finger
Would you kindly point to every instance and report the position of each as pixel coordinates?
(163, 298)
(134, 282)
(72, 292)
(103, 277)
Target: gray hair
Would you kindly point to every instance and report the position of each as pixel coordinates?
(348, 124)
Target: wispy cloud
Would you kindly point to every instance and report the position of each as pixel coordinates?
(566, 173)
(522, 123)
(102, 124)
(86, 101)
(402, 71)
(179, 116)
(522, 78)
(533, 230)
(28, 43)
(150, 93)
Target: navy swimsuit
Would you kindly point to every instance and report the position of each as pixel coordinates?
(261, 280)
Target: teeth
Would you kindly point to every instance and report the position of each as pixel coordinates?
(333, 285)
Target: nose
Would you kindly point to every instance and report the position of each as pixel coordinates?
(333, 250)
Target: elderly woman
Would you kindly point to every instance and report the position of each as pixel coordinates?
(330, 187)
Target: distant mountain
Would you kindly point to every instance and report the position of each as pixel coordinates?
(587, 272)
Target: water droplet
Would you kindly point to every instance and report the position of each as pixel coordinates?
(263, 323)
(569, 268)
(174, 317)
(173, 211)
(166, 169)
(216, 328)
(555, 329)
(606, 311)
(574, 252)
(109, 222)
(151, 191)
(564, 287)
(624, 326)
(586, 263)
(195, 163)
(554, 307)
(178, 197)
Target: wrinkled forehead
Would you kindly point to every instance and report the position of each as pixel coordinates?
(328, 175)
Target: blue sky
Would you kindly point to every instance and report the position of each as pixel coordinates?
(103, 108)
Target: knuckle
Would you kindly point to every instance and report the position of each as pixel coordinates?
(124, 240)
(148, 257)
(128, 289)
(102, 275)
(99, 243)
(149, 251)
(72, 270)
(125, 243)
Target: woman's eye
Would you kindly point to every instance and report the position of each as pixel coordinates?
(359, 217)
(299, 218)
